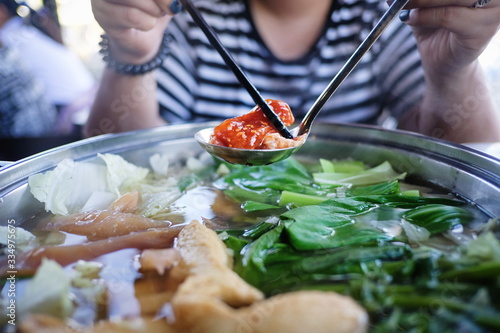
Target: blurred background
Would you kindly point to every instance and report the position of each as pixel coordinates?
(80, 32)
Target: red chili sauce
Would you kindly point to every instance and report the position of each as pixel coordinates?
(249, 130)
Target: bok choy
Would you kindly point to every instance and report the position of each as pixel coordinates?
(354, 230)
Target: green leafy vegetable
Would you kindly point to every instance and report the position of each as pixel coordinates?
(352, 230)
(386, 188)
(381, 173)
(317, 237)
(484, 248)
(438, 218)
(299, 199)
(253, 206)
(266, 182)
(347, 166)
(255, 252)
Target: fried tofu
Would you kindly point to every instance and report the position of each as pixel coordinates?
(213, 298)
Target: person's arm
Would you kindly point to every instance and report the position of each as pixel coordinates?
(126, 102)
(457, 107)
(457, 103)
(123, 103)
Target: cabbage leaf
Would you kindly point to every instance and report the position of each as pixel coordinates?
(68, 188)
(381, 173)
(48, 292)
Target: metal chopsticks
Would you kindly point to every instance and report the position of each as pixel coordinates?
(372, 37)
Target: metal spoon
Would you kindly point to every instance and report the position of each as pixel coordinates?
(243, 156)
(268, 156)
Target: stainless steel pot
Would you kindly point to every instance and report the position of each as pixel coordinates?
(466, 172)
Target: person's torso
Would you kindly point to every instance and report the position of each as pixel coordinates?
(216, 93)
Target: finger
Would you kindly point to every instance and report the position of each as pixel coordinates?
(474, 34)
(147, 6)
(442, 3)
(455, 19)
(118, 16)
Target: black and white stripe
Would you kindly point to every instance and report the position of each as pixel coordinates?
(196, 85)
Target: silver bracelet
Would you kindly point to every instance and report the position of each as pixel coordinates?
(130, 69)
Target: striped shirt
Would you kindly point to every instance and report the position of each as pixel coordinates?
(194, 84)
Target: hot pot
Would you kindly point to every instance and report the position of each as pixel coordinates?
(460, 170)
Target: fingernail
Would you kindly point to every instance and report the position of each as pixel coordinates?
(404, 16)
(175, 7)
